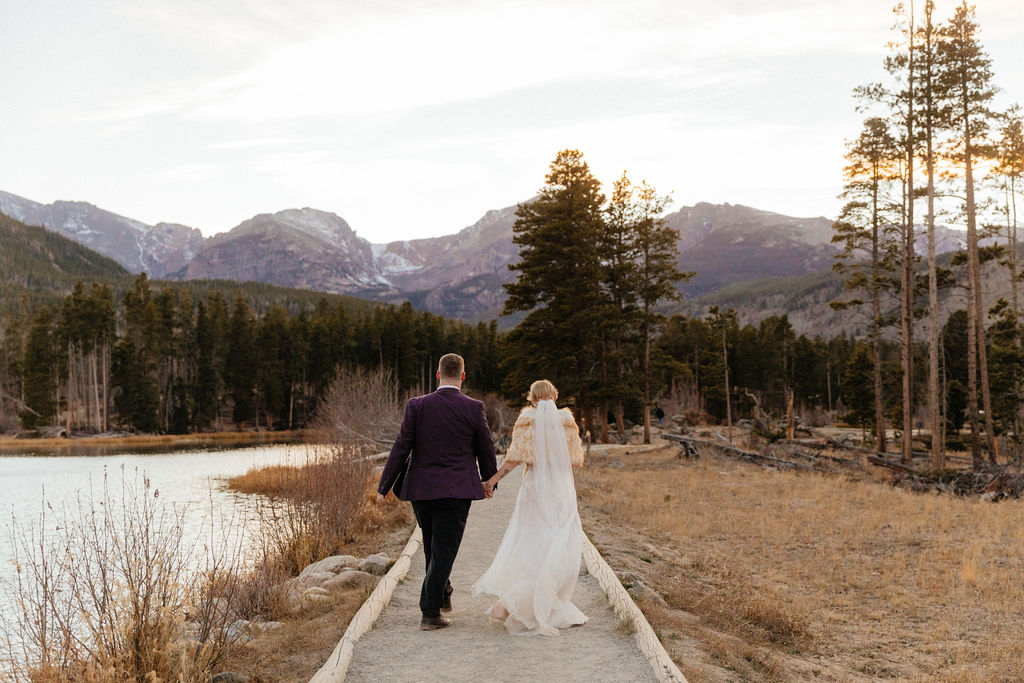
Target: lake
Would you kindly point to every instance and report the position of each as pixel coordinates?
(194, 477)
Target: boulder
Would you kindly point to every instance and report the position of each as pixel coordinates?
(627, 579)
(315, 596)
(264, 626)
(238, 630)
(377, 563)
(229, 677)
(314, 578)
(641, 591)
(351, 578)
(332, 564)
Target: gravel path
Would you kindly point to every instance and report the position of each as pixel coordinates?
(475, 648)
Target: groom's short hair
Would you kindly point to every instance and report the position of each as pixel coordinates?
(451, 366)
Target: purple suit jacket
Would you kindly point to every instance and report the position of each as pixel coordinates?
(447, 436)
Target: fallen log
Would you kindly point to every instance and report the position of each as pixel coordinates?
(875, 460)
(751, 456)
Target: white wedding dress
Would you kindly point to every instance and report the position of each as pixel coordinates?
(534, 572)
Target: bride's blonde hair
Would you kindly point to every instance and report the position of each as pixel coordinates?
(541, 390)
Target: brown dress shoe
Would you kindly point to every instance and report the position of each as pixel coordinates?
(434, 623)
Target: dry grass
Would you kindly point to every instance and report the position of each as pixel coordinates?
(220, 439)
(295, 652)
(780, 575)
(116, 593)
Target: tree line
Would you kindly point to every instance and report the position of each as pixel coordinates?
(160, 360)
(934, 138)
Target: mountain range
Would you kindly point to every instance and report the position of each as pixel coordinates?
(458, 275)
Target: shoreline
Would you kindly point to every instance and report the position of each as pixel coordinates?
(86, 441)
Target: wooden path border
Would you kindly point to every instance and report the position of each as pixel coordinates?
(335, 668)
(665, 670)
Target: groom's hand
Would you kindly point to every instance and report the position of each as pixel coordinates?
(380, 499)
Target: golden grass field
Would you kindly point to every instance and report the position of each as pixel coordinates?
(794, 576)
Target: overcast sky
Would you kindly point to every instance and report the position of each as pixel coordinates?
(411, 119)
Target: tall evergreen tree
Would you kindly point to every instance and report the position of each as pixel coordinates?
(39, 379)
(658, 275)
(858, 388)
(135, 356)
(241, 362)
(929, 113)
(965, 74)
(865, 232)
(558, 284)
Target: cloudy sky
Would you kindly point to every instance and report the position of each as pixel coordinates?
(411, 119)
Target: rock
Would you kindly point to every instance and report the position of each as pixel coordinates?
(627, 578)
(315, 596)
(229, 677)
(238, 630)
(617, 464)
(264, 626)
(377, 563)
(351, 578)
(641, 591)
(242, 630)
(314, 578)
(219, 608)
(332, 564)
(678, 420)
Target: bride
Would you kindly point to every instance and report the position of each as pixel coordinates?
(534, 572)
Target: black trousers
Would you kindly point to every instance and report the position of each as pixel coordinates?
(443, 521)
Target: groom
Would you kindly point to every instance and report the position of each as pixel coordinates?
(434, 464)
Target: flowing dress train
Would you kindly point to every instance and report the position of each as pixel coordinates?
(535, 569)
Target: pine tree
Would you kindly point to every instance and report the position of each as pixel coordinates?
(865, 232)
(965, 74)
(241, 362)
(658, 276)
(932, 123)
(1007, 374)
(858, 388)
(902, 65)
(135, 357)
(39, 380)
(558, 285)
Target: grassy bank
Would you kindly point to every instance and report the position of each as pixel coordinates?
(157, 441)
(783, 576)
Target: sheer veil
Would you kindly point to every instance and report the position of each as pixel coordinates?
(556, 492)
(536, 566)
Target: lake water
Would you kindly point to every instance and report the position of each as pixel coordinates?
(195, 478)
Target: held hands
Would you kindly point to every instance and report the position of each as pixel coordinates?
(490, 484)
(380, 499)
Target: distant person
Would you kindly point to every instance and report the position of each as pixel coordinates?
(534, 572)
(442, 454)
(660, 415)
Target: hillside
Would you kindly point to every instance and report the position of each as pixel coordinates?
(40, 266)
(156, 249)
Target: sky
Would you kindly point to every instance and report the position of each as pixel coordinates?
(412, 119)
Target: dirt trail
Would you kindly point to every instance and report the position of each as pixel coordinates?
(474, 648)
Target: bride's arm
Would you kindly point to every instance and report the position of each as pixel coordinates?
(505, 468)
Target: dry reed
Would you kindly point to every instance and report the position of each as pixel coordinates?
(118, 594)
(115, 593)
